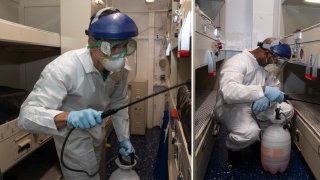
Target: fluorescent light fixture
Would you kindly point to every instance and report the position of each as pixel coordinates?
(97, 2)
(149, 1)
(298, 35)
(216, 32)
(312, 1)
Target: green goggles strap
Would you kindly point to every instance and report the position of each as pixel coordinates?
(96, 43)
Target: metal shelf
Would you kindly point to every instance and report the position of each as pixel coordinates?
(309, 112)
(20, 34)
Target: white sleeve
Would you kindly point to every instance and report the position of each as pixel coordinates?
(120, 119)
(43, 103)
(232, 89)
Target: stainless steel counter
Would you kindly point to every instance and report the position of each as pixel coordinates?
(309, 112)
(205, 102)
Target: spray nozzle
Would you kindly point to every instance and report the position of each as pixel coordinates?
(127, 160)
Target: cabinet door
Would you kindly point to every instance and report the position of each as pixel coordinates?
(138, 112)
(308, 143)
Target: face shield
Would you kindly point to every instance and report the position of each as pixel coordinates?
(278, 56)
(112, 32)
(279, 51)
(275, 69)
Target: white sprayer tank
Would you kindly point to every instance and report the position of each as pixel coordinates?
(124, 172)
(275, 149)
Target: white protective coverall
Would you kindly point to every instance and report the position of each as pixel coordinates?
(71, 83)
(240, 84)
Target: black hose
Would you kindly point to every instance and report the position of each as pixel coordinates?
(66, 166)
(254, 115)
(77, 170)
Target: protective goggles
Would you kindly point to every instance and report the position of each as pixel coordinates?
(269, 46)
(115, 48)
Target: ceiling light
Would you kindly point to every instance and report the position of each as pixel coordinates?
(98, 2)
(312, 1)
(149, 1)
(298, 35)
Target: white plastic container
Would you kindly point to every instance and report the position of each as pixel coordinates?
(209, 57)
(124, 172)
(275, 149)
(184, 37)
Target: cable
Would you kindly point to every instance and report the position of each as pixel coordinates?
(67, 167)
(254, 115)
(77, 170)
(256, 119)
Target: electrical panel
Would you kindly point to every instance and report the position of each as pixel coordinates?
(138, 112)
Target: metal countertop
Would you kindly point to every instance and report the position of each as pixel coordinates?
(309, 112)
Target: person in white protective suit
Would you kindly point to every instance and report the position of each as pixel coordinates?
(75, 88)
(245, 87)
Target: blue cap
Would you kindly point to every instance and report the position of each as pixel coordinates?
(282, 50)
(113, 26)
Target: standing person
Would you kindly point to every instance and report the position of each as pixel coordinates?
(247, 88)
(76, 87)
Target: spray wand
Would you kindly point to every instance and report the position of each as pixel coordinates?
(113, 111)
(109, 113)
(287, 97)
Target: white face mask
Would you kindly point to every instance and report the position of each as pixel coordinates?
(113, 65)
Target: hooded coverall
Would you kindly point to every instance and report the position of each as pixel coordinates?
(71, 83)
(240, 84)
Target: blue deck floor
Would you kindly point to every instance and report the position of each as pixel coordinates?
(251, 167)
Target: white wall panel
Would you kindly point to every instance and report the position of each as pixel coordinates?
(141, 20)
(73, 25)
(298, 17)
(130, 5)
(263, 23)
(46, 18)
(238, 27)
(9, 10)
(142, 57)
(249, 21)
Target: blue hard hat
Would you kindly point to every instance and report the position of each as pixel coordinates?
(112, 25)
(282, 50)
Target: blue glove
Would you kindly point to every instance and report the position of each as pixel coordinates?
(84, 119)
(274, 94)
(260, 105)
(126, 148)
